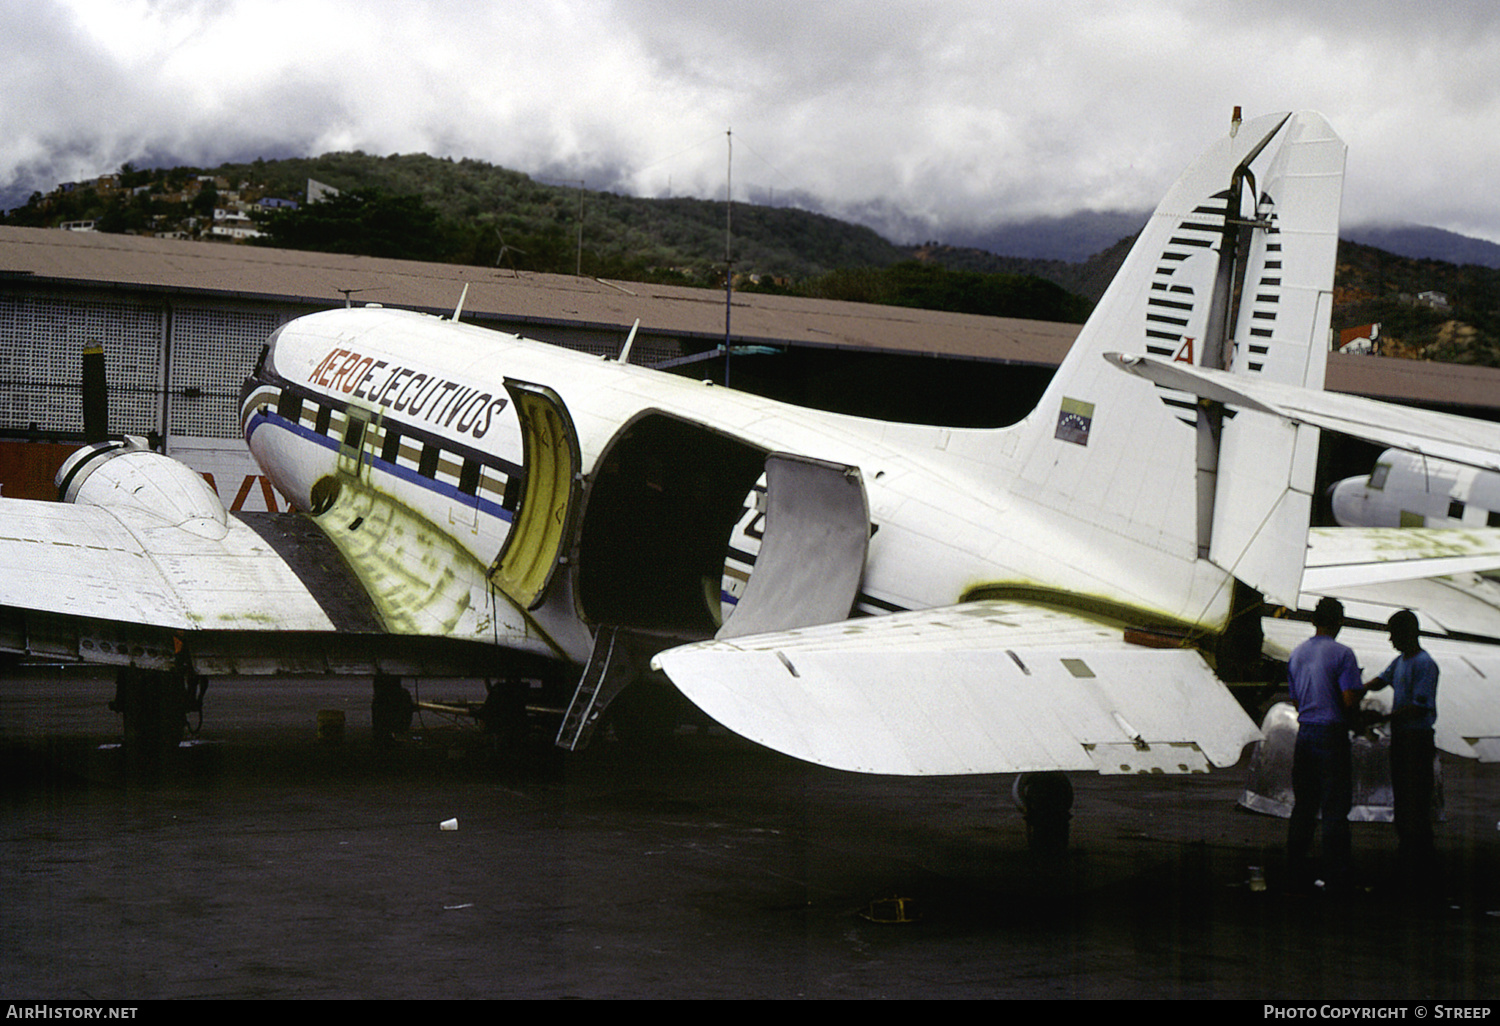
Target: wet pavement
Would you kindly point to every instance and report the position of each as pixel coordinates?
(269, 864)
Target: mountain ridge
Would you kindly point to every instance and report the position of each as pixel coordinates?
(1073, 238)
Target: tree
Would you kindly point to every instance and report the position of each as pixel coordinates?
(206, 200)
(367, 223)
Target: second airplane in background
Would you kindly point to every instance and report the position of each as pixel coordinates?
(1405, 489)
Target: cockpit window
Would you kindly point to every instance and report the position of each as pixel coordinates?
(1378, 476)
(267, 353)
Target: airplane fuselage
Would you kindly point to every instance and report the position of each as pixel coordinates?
(415, 410)
(1407, 490)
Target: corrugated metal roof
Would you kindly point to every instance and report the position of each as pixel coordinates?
(1414, 381)
(664, 309)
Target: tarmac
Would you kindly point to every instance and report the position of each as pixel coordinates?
(266, 863)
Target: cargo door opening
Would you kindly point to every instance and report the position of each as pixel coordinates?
(664, 497)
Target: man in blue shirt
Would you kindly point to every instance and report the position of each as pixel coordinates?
(1325, 684)
(1414, 677)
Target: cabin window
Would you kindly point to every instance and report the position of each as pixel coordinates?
(468, 477)
(391, 448)
(429, 462)
(289, 406)
(1455, 510)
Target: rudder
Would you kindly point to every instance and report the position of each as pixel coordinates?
(1246, 236)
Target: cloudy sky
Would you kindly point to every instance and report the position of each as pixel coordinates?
(953, 112)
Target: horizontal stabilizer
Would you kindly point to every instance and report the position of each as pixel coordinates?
(1445, 436)
(983, 687)
(1341, 557)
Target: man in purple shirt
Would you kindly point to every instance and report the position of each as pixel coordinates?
(1325, 684)
(1414, 676)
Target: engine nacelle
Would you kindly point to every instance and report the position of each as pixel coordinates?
(128, 474)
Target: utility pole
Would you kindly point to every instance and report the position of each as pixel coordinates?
(728, 250)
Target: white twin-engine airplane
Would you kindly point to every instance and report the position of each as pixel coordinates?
(878, 597)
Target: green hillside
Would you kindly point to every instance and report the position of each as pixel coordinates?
(467, 211)
(470, 212)
(482, 208)
(1460, 324)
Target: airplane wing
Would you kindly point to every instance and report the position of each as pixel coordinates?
(129, 566)
(1341, 557)
(1455, 604)
(251, 593)
(982, 687)
(1445, 436)
(1377, 571)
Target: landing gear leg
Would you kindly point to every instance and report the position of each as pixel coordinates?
(391, 709)
(154, 704)
(1046, 801)
(503, 717)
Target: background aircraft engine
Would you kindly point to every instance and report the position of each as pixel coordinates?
(128, 474)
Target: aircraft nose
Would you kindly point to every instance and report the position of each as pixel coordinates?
(1346, 499)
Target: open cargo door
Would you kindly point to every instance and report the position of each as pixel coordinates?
(549, 497)
(812, 555)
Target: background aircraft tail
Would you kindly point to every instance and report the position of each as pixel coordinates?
(1234, 271)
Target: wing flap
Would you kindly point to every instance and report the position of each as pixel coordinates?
(983, 687)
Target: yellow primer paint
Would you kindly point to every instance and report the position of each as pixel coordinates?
(405, 563)
(421, 581)
(1106, 611)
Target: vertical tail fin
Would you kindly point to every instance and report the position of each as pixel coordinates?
(1263, 494)
(1245, 237)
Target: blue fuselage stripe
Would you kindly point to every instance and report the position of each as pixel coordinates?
(443, 488)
